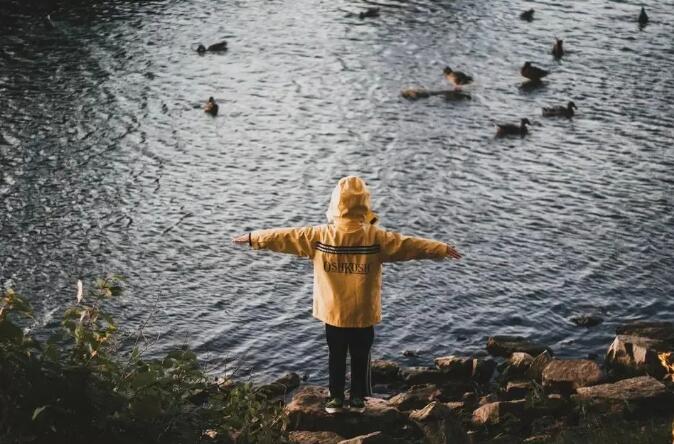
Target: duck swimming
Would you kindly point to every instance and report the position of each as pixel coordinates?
(560, 111)
(527, 15)
(216, 47)
(511, 129)
(456, 78)
(369, 13)
(532, 72)
(211, 107)
(643, 17)
(558, 49)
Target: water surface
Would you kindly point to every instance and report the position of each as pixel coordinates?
(108, 164)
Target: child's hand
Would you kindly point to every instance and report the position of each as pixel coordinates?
(241, 240)
(453, 252)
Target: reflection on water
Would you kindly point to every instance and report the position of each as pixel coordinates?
(110, 164)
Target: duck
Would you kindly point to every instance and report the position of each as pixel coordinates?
(216, 47)
(643, 17)
(532, 72)
(456, 78)
(527, 15)
(558, 49)
(369, 13)
(512, 129)
(211, 107)
(560, 110)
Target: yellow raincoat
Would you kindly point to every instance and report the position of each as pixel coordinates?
(348, 255)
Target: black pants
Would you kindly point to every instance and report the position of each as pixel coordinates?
(357, 341)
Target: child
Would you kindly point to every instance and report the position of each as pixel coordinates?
(348, 254)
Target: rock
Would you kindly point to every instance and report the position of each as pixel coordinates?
(440, 424)
(662, 331)
(636, 355)
(414, 398)
(557, 405)
(521, 360)
(507, 345)
(422, 375)
(517, 366)
(643, 395)
(517, 389)
(414, 93)
(290, 380)
(483, 369)
(370, 438)
(453, 391)
(306, 411)
(454, 94)
(431, 412)
(539, 363)
(586, 320)
(456, 406)
(464, 369)
(281, 386)
(495, 413)
(547, 425)
(304, 437)
(474, 436)
(469, 399)
(566, 375)
(486, 399)
(455, 367)
(384, 372)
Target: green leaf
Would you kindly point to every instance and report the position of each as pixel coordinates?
(72, 313)
(135, 354)
(38, 410)
(52, 353)
(10, 332)
(21, 305)
(140, 380)
(146, 407)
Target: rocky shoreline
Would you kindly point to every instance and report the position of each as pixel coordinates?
(522, 393)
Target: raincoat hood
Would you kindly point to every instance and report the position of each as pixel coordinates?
(351, 200)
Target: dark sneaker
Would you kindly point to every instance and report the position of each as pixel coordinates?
(357, 405)
(334, 405)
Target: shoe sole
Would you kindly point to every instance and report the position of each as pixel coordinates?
(357, 409)
(334, 409)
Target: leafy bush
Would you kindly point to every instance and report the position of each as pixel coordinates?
(77, 387)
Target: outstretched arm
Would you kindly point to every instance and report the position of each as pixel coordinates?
(398, 247)
(299, 241)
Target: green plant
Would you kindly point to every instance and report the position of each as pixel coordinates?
(78, 387)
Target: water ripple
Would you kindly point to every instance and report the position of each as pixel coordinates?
(109, 164)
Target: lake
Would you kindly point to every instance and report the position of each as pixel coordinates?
(109, 164)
